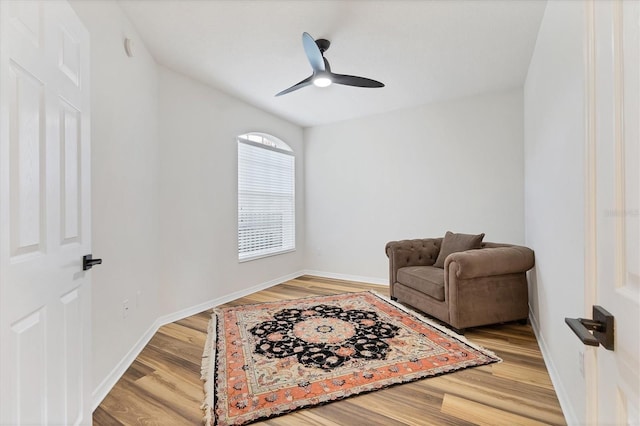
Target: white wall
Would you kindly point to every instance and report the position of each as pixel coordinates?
(164, 193)
(414, 173)
(554, 194)
(198, 187)
(124, 159)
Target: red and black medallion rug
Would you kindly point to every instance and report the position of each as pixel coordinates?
(269, 359)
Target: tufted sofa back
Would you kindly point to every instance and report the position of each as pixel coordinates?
(423, 252)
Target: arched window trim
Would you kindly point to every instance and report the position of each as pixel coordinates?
(265, 140)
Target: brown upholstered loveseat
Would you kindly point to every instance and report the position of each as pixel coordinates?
(476, 287)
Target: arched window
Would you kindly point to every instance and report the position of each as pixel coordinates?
(266, 196)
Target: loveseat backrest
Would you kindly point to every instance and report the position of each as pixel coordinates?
(489, 244)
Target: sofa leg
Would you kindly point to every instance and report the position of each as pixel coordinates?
(460, 331)
(523, 321)
(395, 299)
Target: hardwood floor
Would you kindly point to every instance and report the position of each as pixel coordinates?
(163, 386)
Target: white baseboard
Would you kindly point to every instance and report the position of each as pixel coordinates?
(561, 392)
(357, 278)
(112, 378)
(192, 310)
(109, 382)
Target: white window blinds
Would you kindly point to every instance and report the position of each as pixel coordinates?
(266, 200)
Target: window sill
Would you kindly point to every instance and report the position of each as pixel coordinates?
(262, 256)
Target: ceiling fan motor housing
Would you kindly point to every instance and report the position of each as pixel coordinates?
(323, 44)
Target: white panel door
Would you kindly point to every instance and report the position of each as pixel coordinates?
(44, 215)
(613, 101)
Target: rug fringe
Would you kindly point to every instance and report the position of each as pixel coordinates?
(208, 365)
(438, 326)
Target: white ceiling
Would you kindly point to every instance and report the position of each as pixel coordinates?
(424, 51)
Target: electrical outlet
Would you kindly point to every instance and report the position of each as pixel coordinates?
(125, 308)
(581, 362)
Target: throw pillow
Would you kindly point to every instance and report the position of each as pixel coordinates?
(453, 243)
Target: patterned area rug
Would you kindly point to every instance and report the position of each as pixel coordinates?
(269, 359)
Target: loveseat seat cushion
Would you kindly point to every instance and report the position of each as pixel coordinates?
(425, 279)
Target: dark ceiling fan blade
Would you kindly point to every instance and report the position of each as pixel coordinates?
(307, 81)
(327, 67)
(313, 53)
(352, 80)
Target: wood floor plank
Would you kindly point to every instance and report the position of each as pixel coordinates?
(188, 351)
(533, 376)
(483, 415)
(498, 395)
(102, 417)
(163, 385)
(130, 405)
(154, 357)
(170, 390)
(196, 322)
(183, 334)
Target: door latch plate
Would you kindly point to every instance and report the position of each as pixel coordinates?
(605, 335)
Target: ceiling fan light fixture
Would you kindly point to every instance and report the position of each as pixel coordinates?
(322, 81)
(322, 75)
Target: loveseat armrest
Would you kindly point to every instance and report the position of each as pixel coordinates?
(418, 252)
(488, 262)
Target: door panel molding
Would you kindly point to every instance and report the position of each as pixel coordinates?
(27, 152)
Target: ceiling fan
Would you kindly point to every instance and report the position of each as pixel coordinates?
(322, 75)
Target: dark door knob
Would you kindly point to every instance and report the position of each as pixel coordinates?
(88, 261)
(595, 332)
